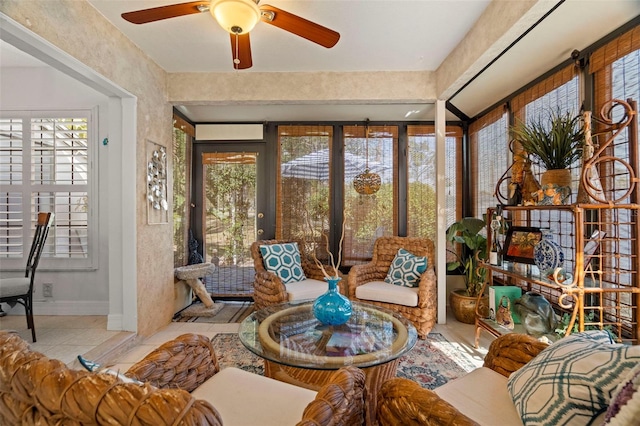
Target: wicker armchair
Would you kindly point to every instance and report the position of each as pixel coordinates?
(404, 402)
(423, 315)
(268, 288)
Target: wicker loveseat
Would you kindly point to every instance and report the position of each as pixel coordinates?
(36, 390)
(404, 402)
(586, 378)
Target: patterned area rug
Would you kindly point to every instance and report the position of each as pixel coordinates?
(432, 362)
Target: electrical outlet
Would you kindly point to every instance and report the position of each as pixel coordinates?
(47, 289)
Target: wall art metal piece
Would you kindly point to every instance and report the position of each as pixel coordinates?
(157, 204)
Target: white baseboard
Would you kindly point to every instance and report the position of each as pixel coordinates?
(114, 322)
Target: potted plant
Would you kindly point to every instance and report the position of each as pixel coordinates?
(554, 142)
(466, 233)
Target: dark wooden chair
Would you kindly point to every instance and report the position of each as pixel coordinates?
(20, 289)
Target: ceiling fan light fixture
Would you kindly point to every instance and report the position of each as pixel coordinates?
(235, 16)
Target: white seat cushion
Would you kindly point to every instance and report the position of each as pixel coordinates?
(247, 399)
(306, 289)
(14, 286)
(482, 395)
(380, 291)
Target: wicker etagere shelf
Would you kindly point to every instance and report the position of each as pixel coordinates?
(604, 286)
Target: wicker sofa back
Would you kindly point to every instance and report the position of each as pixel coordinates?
(37, 390)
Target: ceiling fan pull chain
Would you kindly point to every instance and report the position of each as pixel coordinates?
(236, 60)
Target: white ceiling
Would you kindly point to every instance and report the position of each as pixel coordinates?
(376, 35)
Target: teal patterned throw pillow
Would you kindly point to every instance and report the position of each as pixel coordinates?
(284, 261)
(406, 268)
(572, 381)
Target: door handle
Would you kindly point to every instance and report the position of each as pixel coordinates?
(260, 231)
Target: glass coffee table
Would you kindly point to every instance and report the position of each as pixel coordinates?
(298, 349)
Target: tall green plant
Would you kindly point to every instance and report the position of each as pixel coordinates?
(466, 233)
(554, 141)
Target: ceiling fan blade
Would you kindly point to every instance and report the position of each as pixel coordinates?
(164, 12)
(241, 51)
(299, 26)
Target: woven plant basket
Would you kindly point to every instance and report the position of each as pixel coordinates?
(464, 307)
(561, 177)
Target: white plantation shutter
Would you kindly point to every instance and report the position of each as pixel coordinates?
(46, 165)
(11, 213)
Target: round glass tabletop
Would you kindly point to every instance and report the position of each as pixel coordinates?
(289, 334)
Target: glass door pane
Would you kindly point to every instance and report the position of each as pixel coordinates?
(229, 219)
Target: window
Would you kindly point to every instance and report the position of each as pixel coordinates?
(369, 216)
(46, 165)
(489, 157)
(558, 93)
(304, 185)
(616, 70)
(421, 191)
(315, 185)
(183, 132)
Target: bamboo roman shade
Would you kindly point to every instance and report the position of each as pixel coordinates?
(421, 176)
(303, 182)
(184, 125)
(376, 215)
(601, 61)
(544, 87)
(614, 50)
(489, 142)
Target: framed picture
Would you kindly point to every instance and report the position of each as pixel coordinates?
(592, 245)
(519, 243)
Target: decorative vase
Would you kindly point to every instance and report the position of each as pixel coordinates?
(560, 177)
(332, 308)
(547, 254)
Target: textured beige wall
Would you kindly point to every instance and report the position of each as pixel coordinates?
(353, 87)
(78, 29)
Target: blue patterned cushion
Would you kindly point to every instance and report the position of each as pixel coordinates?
(284, 261)
(571, 381)
(406, 268)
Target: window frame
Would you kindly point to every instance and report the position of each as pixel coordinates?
(27, 188)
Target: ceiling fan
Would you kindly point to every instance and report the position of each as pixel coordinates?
(238, 17)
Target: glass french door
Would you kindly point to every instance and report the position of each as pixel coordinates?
(229, 214)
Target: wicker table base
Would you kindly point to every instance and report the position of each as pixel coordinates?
(314, 379)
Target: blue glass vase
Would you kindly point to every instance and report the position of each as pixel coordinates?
(332, 308)
(547, 254)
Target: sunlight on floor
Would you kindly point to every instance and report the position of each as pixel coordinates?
(66, 337)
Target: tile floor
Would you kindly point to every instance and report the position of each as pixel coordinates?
(66, 337)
